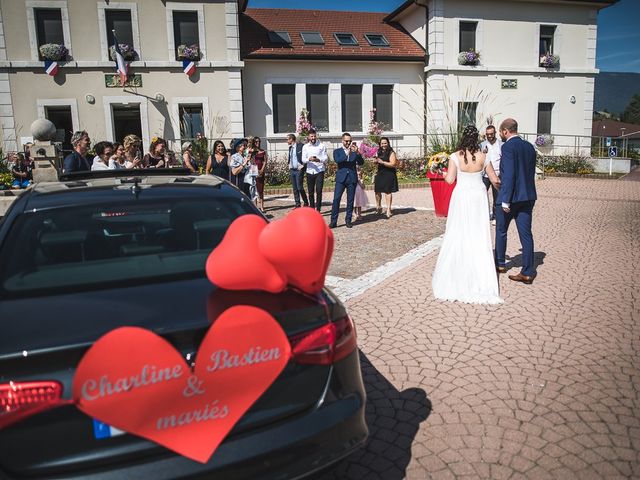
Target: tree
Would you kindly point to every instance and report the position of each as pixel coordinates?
(631, 114)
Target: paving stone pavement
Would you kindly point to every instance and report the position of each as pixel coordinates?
(544, 386)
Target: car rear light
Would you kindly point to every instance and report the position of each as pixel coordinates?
(19, 400)
(325, 345)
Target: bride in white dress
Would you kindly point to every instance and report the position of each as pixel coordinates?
(466, 269)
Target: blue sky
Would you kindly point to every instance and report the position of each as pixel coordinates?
(618, 32)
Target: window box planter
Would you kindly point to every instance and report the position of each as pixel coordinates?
(469, 58)
(53, 52)
(189, 52)
(128, 53)
(550, 61)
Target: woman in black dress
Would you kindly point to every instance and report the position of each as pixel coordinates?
(386, 178)
(218, 163)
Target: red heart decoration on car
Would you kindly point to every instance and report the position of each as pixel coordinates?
(237, 264)
(299, 245)
(136, 381)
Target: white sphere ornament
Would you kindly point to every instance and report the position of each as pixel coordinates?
(43, 130)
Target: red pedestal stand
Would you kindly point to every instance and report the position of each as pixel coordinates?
(441, 192)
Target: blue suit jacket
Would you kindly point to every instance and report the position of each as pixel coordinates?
(517, 172)
(347, 172)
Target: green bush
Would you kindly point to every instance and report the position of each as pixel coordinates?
(565, 164)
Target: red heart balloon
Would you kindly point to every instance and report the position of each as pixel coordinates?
(136, 381)
(300, 245)
(237, 264)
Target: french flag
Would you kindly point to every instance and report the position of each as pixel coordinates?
(188, 67)
(51, 67)
(123, 68)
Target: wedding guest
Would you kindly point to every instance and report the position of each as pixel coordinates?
(238, 164)
(218, 162)
(251, 172)
(188, 160)
(296, 170)
(132, 151)
(117, 160)
(103, 150)
(347, 159)
(492, 147)
(314, 156)
(76, 161)
(386, 179)
(156, 157)
(260, 160)
(21, 170)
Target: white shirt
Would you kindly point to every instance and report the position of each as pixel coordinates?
(494, 153)
(314, 150)
(98, 164)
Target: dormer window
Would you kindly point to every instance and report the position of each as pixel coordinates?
(312, 38)
(376, 39)
(345, 39)
(280, 37)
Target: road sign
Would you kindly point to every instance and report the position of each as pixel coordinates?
(608, 141)
(613, 151)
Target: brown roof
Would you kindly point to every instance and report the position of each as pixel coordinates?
(613, 128)
(256, 23)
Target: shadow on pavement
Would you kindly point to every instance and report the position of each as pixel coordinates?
(393, 418)
(516, 261)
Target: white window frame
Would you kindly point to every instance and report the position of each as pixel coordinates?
(125, 100)
(42, 103)
(102, 25)
(185, 7)
(557, 41)
(175, 113)
(32, 5)
(479, 35)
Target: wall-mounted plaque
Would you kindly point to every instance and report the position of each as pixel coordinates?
(509, 83)
(112, 80)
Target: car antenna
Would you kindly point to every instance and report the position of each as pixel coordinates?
(135, 188)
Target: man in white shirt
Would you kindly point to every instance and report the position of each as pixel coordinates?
(314, 156)
(492, 147)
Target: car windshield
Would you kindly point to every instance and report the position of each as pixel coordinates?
(97, 246)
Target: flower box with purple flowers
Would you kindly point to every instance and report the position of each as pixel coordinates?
(189, 52)
(469, 58)
(544, 140)
(550, 61)
(53, 52)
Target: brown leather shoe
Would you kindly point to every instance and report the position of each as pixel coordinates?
(522, 278)
(501, 269)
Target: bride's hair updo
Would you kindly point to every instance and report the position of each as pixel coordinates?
(469, 141)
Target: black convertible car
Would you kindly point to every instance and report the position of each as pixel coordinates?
(83, 256)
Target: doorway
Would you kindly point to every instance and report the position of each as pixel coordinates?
(60, 116)
(126, 121)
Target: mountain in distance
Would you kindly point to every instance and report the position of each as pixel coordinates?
(613, 91)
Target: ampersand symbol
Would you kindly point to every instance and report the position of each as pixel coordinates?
(194, 387)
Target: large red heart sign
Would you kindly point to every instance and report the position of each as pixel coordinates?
(136, 381)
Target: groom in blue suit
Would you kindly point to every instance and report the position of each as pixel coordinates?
(346, 158)
(517, 197)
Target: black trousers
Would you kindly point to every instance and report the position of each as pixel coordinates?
(315, 183)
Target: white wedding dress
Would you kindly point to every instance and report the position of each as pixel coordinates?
(466, 270)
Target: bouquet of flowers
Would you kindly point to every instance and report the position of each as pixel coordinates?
(544, 140)
(367, 150)
(128, 53)
(303, 125)
(438, 163)
(549, 61)
(469, 58)
(369, 146)
(53, 52)
(189, 52)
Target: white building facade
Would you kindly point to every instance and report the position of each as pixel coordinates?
(509, 80)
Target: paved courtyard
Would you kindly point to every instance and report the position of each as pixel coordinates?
(544, 386)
